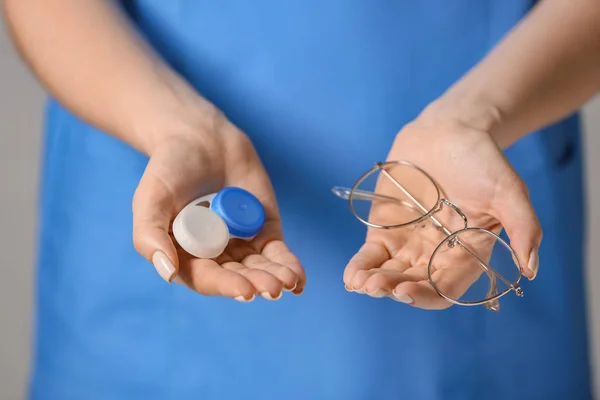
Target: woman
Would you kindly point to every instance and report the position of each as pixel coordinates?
(293, 98)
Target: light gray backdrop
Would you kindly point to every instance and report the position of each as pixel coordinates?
(20, 133)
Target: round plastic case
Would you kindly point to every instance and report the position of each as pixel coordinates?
(205, 226)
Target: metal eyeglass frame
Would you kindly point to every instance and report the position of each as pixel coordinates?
(491, 301)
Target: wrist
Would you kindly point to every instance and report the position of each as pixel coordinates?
(464, 108)
(468, 111)
(198, 121)
(474, 113)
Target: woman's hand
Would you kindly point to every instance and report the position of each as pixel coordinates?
(473, 173)
(198, 158)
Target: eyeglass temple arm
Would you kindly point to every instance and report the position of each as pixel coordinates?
(344, 193)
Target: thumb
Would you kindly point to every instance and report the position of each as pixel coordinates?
(518, 217)
(152, 211)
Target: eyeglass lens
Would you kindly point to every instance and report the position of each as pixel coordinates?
(390, 205)
(456, 270)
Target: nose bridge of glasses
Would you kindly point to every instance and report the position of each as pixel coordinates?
(453, 206)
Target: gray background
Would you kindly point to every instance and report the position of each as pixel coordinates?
(20, 123)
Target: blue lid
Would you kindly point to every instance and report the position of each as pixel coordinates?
(241, 211)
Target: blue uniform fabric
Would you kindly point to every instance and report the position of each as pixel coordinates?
(321, 87)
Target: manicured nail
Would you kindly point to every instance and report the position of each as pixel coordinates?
(268, 296)
(379, 293)
(291, 289)
(534, 262)
(298, 292)
(163, 266)
(402, 297)
(348, 288)
(242, 299)
(361, 291)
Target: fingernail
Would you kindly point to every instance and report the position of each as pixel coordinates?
(379, 293)
(298, 292)
(348, 288)
(534, 262)
(163, 266)
(291, 289)
(268, 296)
(402, 297)
(178, 280)
(242, 299)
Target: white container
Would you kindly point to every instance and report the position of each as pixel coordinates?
(205, 226)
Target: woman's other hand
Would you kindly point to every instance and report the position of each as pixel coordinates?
(194, 158)
(473, 173)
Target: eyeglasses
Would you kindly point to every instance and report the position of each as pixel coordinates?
(469, 266)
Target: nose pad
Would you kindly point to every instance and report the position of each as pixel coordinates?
(493, 305)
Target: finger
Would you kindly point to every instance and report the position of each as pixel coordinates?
(517, 215)
(266, 284)
(152, 208)
(278, 252)
(287, 277)
(247, 171)
(371, 255)
(243, 253)
(381, 282)
(420, 295)
(453, 281)
(210, 279)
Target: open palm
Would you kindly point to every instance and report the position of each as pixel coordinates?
(186, 166)
(472, 172)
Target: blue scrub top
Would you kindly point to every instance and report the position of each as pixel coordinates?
(321, 87)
